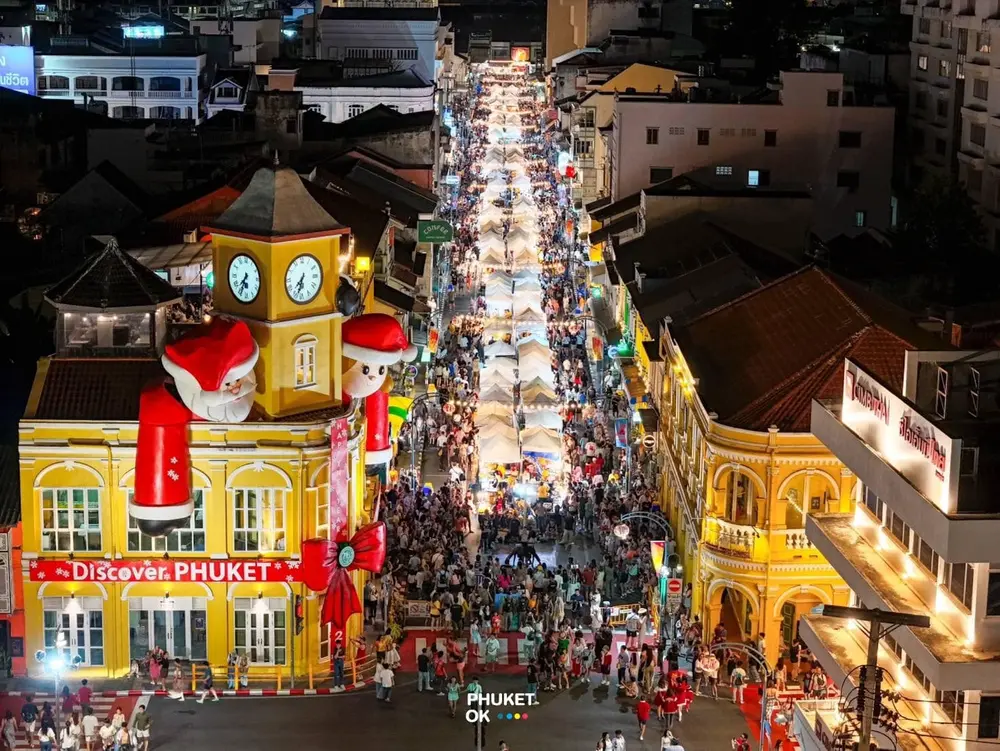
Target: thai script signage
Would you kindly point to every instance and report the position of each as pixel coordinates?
(165, 570)
(17, 69)
(906, 440)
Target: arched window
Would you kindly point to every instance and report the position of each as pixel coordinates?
(305, 361)
(741, 498)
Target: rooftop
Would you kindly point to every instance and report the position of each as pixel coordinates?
(762, 358)
(112, 280)
(10, 487)
(276, 206)
(107, 390)
(386, 13)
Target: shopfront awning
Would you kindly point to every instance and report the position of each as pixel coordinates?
(650, 419)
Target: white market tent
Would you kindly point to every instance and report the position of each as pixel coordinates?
(497, 425)
(503, 366)
(492, 257)
(529, 315)
(526, 256)
(496, 394)
(528, 285)
(538, 392)
(537, 370)
(500, 349)
(499, 449)
(493, 410)
(543, 418)
(541, 441)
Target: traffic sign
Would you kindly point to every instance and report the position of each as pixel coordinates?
(649, 440)
(675, 588)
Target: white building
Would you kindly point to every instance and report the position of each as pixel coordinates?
(371, 40)
(338, 98)
(922, 539)
(146, 86)
(233, 89)
(954, 94)
(811, 131)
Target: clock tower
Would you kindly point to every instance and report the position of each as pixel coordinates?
(276, 254)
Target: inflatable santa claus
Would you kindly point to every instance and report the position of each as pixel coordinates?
(373, 342)
(212, 379)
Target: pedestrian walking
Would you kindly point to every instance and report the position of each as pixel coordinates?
(141, 723)
(618, 742)
(604, 744)
(642, 715)
(46, 736)
(177, 688)
(9, 731)
(90, 725)
(454, 691)
(738, 679)
(378, 681)
(388, 680)
(208, 686)
(339, 655)
(29, 719)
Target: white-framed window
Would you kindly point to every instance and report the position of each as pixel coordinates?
(323, 511)
(188, 539)
(258, 520)
(353, 110)
(305, 361)
(724, 170)
(74, 627)
(260, 629)
(71, 520)
(228, 91)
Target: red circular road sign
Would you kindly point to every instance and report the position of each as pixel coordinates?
(674, 586)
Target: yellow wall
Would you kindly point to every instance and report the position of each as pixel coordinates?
(88, 455)
(762, 556)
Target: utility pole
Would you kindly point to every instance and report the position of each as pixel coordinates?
(880, 623)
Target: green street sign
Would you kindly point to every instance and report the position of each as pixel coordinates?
(434, 231)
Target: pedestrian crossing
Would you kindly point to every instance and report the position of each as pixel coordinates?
(103, 706)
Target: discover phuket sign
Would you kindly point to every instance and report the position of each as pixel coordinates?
(907, 441)
(165, 570)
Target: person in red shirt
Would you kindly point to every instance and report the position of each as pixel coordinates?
(642, 714)
(84, 695)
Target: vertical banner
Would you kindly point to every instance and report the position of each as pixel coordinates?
(621, 433)
(656, 551)
(340, 458)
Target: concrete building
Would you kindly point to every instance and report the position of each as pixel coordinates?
(370, 40)
(233, 89)
(955, 91)
(151, 84)
(336, 97)
(813, 130)
(576, 24)
(921, 538)
(255, 40)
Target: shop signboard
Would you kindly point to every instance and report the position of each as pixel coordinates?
(909, 442)
(339, 481)
(17, 68)
(434, 231)
(204, 571)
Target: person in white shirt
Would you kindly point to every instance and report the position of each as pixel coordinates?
(67, 738)
(107, 734)
(738, 679)
(90, 725)
(669, 743)
(710, 668)
(618, 742)
(388, 679)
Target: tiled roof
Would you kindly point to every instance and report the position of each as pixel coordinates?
(107, 390)
(368, 224)
(112, 280)
(760, 360)
(276, 205)
(98, 389)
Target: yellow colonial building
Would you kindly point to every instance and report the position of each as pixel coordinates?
(732, 370)
(260, 487)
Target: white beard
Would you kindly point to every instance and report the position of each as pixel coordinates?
(221, 406)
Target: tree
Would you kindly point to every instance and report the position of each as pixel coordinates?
(771, 32)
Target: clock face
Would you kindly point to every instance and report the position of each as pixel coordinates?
(244, 278)
(303, 279)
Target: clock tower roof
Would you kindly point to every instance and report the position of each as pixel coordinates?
(276, 207)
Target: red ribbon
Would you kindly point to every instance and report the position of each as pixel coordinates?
(326, 566)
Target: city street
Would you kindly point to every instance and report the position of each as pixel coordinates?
(566, 721)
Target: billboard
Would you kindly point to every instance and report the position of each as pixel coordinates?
(17, 68)
(520, 54)
(905, 439)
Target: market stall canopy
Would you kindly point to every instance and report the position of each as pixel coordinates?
(500, 349)
(529, 315)
(526, 256)
(497, 425)
(494, 379)
(489, 410)
(537, 370)
(505, 366)
(537, 392)
(541, 441)
(496, 394)
(543, 418)
(532, 285)
(499, 449)
(492, 257)
(530, 346)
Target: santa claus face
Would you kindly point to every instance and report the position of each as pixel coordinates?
(231, 402)
(364, 379)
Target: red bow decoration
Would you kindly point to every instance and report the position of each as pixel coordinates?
(326, 565)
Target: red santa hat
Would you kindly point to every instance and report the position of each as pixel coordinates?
(216, 353)
(376, 338)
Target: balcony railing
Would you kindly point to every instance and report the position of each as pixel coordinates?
(734, 540)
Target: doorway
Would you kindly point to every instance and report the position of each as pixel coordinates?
(174, 624)
(260, 629)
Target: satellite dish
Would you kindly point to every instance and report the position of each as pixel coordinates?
(39, 655)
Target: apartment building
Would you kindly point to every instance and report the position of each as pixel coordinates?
(955, 96)
(374, 39)
(922, 538)
(807, 129)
